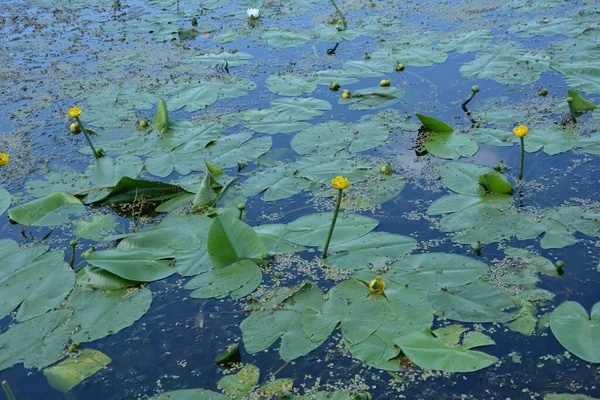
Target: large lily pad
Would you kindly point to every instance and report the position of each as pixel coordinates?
(436, 271)
(47, 211)
(577, 331)
(312, 230)
(231, 240)
(37, 283)
(429, 352)
(282, 319)
(360, 252)
(350, 304)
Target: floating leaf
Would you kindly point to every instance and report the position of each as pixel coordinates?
(429, 352)
(37, 342)
(452, 145)
(5, 200)
(358, 253)
(463, 178)
(373, 98)
(311, 230)
(350, 304)
(554, 141)
(477, 301)
(577, 331)
(108, 172)
(74, 370)
(33, 279)
(191, 394)
(272, 236)
(94, 228)
(290, 84)
(143, 265)
(283, 38)
(436, 271)
(47, 211)
(282, 320)
(495, 184)
(237, 279)
(99, 279)
(97, 314)
(128, 190)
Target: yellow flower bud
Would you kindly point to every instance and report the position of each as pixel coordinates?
(400, 67)
(377, 285)
(339, 182)
(335, 86)
(74, 112)
(385, 82)
(346, 94)
(4, 159)
(520, 131)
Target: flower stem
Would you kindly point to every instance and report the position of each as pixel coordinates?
(9, 394)
(335, 215)
(522, 158)
(87, 138)
(467, 101)
(340, 13)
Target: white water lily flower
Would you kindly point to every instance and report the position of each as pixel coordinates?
(253, 13)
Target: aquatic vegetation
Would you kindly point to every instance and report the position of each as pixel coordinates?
(208, 222)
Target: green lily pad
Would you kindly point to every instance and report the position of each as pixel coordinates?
(276, 183)
(548, 27)
(51, 210)
(212, 60)
(461, 202)
(35, 280)
(197, 96)
(74, 370)
(283, 320)
(350, 304)
(191, 394)
(429, 352)
(96, 314)
(357, 253)
(493, 137)
(577, 331)
(466, 42)
(95, 278)
(237, 280)
(95, 228)
(108, 172)
(68, 182)
(405, 310)
(463, 178)
(452, 145)
(272, 236)
(37, 342)
(312, 230)
(290, 84)
(435, 271)
(373, 97)
(477, 301)
(143, 265)
(284, 38)
(554, 141)
(509, 63)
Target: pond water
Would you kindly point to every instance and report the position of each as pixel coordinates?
(201, 109)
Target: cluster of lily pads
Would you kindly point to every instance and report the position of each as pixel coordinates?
(388, 311)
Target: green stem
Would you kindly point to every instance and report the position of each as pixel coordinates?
(464, 104)
(72, 262)
(87, 138)
(7, 391)
(335, 215)
(241, 214)
(522, 158)
(340, 13)
(572, 112)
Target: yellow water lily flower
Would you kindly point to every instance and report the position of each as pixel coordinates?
(4, 158)
(377, 285)
(74, 112)
(521, 131)
(339, 182)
